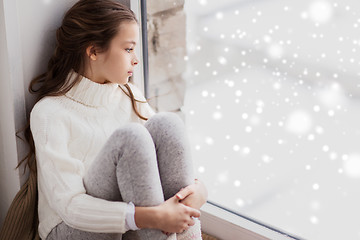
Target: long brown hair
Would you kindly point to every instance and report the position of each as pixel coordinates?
(88, 22)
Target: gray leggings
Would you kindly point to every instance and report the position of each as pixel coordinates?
(142, 164)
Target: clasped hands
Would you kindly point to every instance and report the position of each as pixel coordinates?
(183, 207)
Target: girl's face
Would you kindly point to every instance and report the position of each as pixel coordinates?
(116, 64)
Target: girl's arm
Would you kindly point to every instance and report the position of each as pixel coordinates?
(60, 178)
(194, 195)
(170, 216)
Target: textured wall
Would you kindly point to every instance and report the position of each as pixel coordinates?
(167, 49)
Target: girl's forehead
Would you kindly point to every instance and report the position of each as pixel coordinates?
(128, 32)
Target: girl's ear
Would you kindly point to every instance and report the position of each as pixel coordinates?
(91, 52)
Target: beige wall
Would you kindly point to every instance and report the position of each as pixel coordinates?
(167, 49)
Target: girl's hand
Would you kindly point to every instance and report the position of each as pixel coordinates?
(194, 195)
(175, 217)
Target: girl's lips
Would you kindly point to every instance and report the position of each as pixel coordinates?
(130, 73)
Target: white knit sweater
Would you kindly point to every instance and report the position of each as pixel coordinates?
(69, 132)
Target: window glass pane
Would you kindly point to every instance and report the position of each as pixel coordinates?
(272, 109)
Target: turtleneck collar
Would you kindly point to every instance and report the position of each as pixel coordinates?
(90, 93)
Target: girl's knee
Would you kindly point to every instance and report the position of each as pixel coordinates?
(165, 119)
(131, 131)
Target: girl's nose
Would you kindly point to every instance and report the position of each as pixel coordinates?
(135, 62)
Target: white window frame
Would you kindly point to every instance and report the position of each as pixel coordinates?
(225, 224)
(141, 74)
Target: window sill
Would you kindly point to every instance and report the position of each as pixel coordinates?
(227, 225)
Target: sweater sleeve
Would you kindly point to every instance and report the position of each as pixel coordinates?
(60, 178)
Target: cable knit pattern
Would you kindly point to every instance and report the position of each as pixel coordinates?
(193, 233)
(69, 132)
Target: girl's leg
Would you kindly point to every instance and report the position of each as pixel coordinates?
(174, 160)
(64, 232)
(173, 152)
(125, 170)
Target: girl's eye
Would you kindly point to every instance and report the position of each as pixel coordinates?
(128, 50)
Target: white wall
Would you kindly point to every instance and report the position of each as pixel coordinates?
(26, 43)
(38, 21)
(9, 180)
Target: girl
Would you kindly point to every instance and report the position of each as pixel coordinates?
(104, 170)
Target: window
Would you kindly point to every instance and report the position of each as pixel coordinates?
(272, 110)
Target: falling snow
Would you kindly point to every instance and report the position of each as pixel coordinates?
(272, 110)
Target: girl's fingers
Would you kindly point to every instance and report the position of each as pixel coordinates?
(194, 213)
(166, 233)
(192, 222)
(183, 193)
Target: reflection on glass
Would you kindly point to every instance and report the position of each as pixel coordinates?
(273, 112)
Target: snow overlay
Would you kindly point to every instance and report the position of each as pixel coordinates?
(273, 110)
